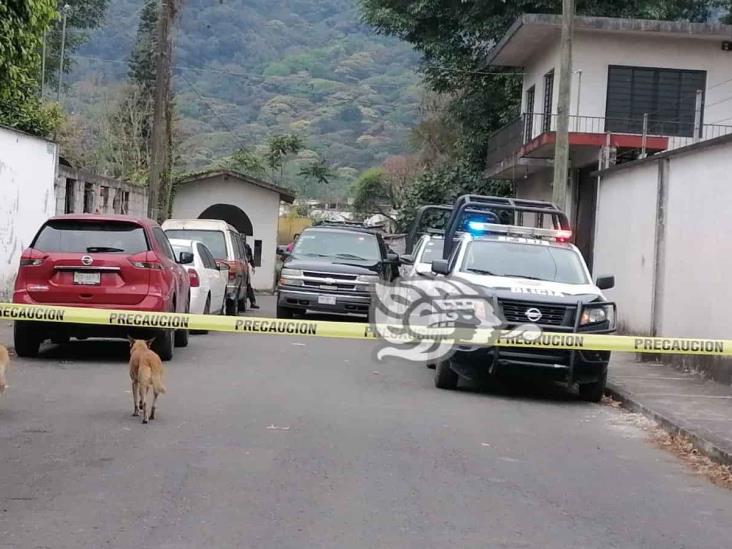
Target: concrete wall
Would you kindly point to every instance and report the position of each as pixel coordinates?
(698, 246)
(106, 196)
(535, 187)
(260, 205)
(625, 229)
(695, 253)
(595, 51)
(27, 174)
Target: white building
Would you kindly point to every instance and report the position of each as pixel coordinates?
(250, 205)
(677, 76)
(27, 175)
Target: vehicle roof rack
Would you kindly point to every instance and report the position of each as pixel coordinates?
(340, 223)
(490, 209)
(416, 230)
(500, 210)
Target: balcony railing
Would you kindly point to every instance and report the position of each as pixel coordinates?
(508, 141)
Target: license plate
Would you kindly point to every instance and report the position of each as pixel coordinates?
(326, 300)
(87, 279)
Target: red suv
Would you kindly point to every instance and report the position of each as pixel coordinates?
(104, 262)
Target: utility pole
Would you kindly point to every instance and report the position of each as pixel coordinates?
(65, 12)
(561, 153)
(158, 185)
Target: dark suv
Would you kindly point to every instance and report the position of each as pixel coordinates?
(332, 268)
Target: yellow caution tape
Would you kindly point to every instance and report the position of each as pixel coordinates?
(353, 330)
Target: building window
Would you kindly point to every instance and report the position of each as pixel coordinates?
(258, 253)
(70, 195)
(529, 127)
(88, 198)
(548, 100)
(667, 96)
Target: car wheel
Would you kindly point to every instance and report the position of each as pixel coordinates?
(163, 345)
(232, 307)
(243, 302)
(445, 376)
(206, 311)
(60, 340)
(285, 312)
(593, 392)
(181, 338)
(27, 340)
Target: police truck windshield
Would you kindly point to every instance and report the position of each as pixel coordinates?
(519, 260)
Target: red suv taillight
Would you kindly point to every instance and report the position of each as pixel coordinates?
(194, 278)
(146, 260)
(30, 261)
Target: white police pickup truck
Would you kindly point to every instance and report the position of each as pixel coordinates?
(535, 276)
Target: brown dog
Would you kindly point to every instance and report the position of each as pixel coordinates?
(4, 361)
(146, 371)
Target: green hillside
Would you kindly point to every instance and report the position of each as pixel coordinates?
(248, 69)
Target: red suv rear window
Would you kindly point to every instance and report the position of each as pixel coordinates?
(73, 236)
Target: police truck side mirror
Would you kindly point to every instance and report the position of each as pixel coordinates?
(441, 266)
(605, 282)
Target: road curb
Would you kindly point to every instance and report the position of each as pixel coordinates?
(702, 440)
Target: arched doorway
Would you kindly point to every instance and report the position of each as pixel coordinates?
(232, 215)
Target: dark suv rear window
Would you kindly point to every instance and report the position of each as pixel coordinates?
(91, 237)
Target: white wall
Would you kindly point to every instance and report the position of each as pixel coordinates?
(534, 76)
(595, 51)
(27, 175)
(693, 277)
(261, 205)
(625, 229)
(698, 245)
(537, 186)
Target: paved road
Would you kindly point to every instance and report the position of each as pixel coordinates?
(295, 443)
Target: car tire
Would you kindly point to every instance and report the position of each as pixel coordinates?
(206, 311)
(232, 307)
(285, 312)
(27, 340)
(163, 345)
(181, 338)
(593, 392)
(445, 376)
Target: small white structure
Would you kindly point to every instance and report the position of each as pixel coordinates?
(638, 87)
(250, 205)
(27, 175)
(663, 229)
